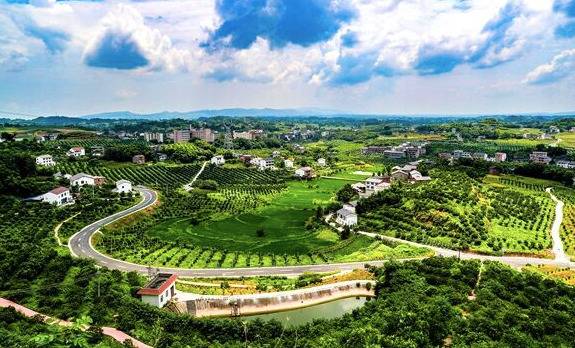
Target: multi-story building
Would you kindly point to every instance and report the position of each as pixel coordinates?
(58, 196)
(373, 150)
(394, 154)
(159, 137)
(540, 157)
(45, 160)
(249, 135)
(181, 136)
(205, 134)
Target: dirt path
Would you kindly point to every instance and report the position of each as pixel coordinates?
(57, 228)
(558, 250)
(188, 187)
(116, 334)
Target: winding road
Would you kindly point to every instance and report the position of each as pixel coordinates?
(81, 246)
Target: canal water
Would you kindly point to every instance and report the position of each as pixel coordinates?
(304, 315)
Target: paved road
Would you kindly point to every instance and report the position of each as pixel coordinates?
(80, 245)
(116, 334)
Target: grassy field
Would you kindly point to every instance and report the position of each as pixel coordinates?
(567, 139)
(283, 221)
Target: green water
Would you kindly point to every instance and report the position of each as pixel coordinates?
(301, 316)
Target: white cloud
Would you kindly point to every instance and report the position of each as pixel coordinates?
(123, 35)
(561, 66)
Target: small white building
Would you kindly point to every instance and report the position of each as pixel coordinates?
(371, 183)
(288, 163)
(82, 179)
(45, 160)
(500, 157)
(304, 172)
(346, 217)
(60, 195)
(565, 164)
(217, 160)
(160, 290)
(321, 162)
(76, 152)
(123, 186)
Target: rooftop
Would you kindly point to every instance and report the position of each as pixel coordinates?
(59, 190)
(158, 284)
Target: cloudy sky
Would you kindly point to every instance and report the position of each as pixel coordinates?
(385, 56)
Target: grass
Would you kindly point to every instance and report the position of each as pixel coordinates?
(567, 139)
(283, 221)
(566, 275)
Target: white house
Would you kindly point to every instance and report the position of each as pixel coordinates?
(304, 172)
(217, 160)
(346, 217)
(45, 160)
(76, 152)
(60, 195)
(123, 186)
(82, 179)
(321, 162)
(160, 290)
(288, 163)
(565, 164)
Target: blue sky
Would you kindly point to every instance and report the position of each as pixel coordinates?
(387, 56)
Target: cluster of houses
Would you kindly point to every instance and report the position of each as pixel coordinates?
(457, 154)
(347, 216)
(405, 150)
(542, 157)
(62, 195)
(78, 151)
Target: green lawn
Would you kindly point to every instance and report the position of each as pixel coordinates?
(283, 221)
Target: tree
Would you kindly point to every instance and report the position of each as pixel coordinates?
(260, 232)
(346, 193)
(345, 233)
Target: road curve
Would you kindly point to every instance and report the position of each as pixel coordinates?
(80, 245)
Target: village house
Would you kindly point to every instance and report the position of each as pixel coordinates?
(305, 172)
(162, 157)
(288, 163)
(346, 217)
(500, 157)
(359, 187)
(58, 196)
(45, 160)
(97, 151)
(539, 157)
(123, 186)
(160, 290)
(139, 159)
(217, 160)
(321, 162)
(76, 152)
(479, 156)
(565, 164)
(82, 179)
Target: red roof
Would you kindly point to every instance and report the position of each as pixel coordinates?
(77, 149)
(159, 284)
(59, 190)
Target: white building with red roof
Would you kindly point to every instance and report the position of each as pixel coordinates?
(76, 152)
(160, 290)
(59, 195)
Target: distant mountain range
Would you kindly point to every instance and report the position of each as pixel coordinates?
(235, 112)
(265, 112)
